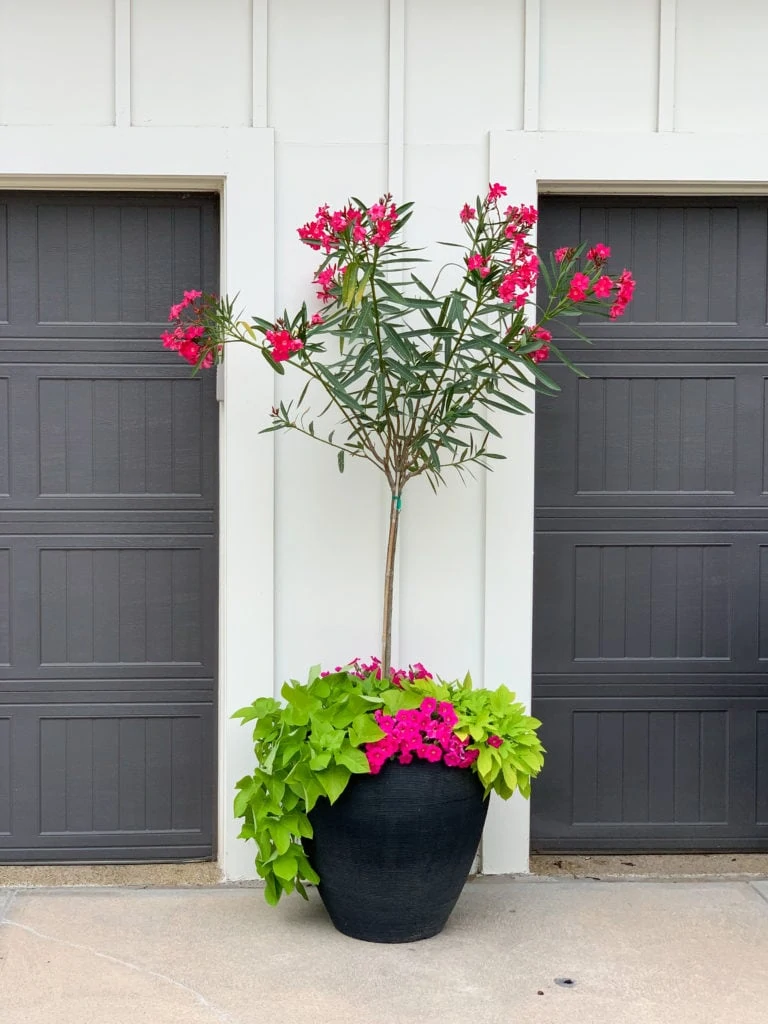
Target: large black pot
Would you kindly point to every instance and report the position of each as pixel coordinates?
(393, 853)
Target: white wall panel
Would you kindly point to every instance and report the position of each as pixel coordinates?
(599, 65)
(721, 77)
(458, 87)
(56, 62)
(328, 70)
(191, 62)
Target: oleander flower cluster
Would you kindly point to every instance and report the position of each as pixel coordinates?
(187, 337)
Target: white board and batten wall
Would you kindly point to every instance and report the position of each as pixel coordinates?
(285, 104)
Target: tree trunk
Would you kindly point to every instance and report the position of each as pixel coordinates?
(389, 583)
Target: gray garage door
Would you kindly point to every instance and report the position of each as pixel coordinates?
(108, 484)
(651, 592)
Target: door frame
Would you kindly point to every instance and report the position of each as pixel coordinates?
(576, 163)
(239, 165)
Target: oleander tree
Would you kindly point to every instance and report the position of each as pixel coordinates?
(403, 372)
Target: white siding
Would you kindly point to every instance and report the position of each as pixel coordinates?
(722, 71)
(456, 90)
(56, 62)
(328, 70)
(599, 65)
(365, 95)
(191, 62)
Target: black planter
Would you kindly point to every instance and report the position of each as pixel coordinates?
(393, 853)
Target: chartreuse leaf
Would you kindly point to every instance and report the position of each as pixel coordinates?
(353, 759)
(334, 781)
(285, 866)
(364, 730)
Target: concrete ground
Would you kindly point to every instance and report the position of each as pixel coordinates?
(635, 952)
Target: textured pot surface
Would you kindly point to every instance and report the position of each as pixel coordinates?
(393, 853)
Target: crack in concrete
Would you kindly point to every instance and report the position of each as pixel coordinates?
(221, 1015)
(760, 893)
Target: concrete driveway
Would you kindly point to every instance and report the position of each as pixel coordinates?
(635, 952)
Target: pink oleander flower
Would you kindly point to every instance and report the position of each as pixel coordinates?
(467, 213)
(384, 228)
(523, 215)
(599, 253)
(626, 286)
(563, 253)
(326, 279)
(603, 287)
(495, 192)
(495, 741)
(191, 295)
(190, 351)
(283, 345)
(478, 263)
(539, 355)
(578, 289)
(518, 285)
(316, 320)
(172, 339)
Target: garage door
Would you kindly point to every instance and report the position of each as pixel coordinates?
(108, 547)
(651, 558)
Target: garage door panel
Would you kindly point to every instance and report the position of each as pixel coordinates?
(6, 778)
(130, 439)
(101, 263)
(108, 546)
(5, 459)
(650, 770)
(110, 776)
(5, 606)
(112, 607)
(761, 800)
(678, 601)
(630, 438)
(127, 603)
